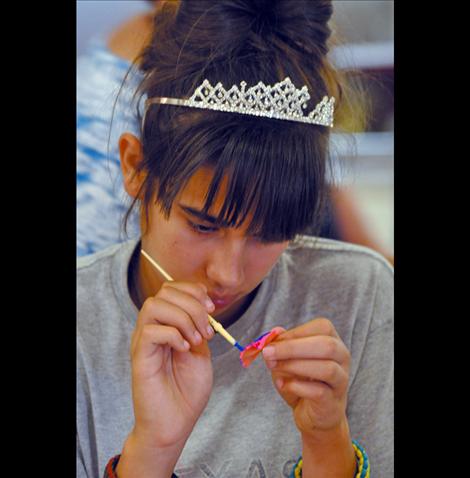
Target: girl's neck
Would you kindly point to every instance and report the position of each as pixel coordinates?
(138, 287)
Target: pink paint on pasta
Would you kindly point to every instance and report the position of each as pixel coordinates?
(250, 352)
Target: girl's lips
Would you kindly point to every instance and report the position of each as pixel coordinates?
(220, 302)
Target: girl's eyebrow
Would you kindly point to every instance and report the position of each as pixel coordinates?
(202, 216)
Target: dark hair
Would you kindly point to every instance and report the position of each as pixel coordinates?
(276, 169)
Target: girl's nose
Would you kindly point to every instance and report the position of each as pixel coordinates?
(225, 266)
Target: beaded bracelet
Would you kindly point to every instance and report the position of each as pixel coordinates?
(297, 470)
(110, 470)
(362, 463)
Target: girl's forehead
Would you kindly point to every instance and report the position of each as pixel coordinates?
(194, 193)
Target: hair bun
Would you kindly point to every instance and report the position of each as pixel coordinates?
(302, 24)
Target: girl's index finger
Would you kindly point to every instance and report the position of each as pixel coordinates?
(319, 326)
(318, 347)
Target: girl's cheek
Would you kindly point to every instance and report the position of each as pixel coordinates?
(188, 251)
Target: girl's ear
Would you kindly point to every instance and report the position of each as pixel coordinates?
(130, 150)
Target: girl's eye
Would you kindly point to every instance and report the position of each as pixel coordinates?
(200, 229)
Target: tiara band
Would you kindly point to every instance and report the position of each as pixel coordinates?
(281, 101)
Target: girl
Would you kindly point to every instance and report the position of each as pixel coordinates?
(224, 199)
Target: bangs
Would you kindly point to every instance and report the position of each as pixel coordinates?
(274, 170)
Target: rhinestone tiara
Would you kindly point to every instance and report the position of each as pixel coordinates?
(281, 101)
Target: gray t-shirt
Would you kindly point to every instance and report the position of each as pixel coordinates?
(246, 430)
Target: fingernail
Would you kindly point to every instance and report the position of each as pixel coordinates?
(279, 382)
(186, 345)
(209, 305)
(197, 337)
(210, 331)
(271, 363)
(268, 352)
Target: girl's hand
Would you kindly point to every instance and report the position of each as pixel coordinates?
(310, 369)
(171, 365)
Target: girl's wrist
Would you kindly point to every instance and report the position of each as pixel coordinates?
(328, 453)
(139, 459)
(327, 437)
(362, 468)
